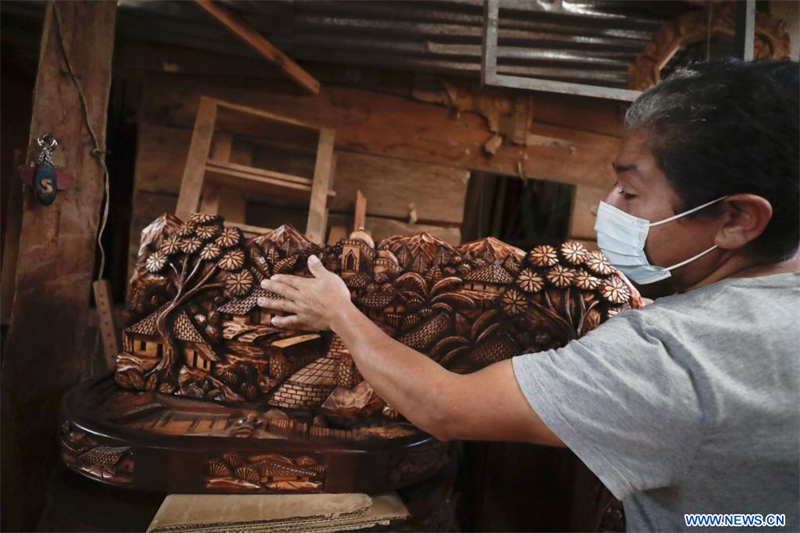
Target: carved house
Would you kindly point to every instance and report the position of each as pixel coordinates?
(312, 384)
(309, 386)
(289, 354)
(487, 282)
(142, 339)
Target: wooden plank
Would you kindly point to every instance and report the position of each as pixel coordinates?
(438, 192)
(48, 346)
(360, 216)
(247, 181)
(160, 158)
(231, 203)
(12, 219)
(584, 211)
(336, 234)
(267, 115)
(261, 45)
(209, 201)
(221, 144)
(317, 207)
(108, 331)
(386, 125)
(222, 166)
(192, 181)
(605, 117)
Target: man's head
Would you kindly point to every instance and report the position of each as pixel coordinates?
(708, 131)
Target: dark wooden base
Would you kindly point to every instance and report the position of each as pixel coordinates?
(156, 442)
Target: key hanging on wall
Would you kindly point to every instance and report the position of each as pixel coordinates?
(43, 176)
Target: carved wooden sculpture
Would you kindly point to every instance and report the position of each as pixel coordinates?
(202, 360)
(203, 336)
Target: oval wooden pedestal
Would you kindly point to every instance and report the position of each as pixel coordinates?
(147, 440)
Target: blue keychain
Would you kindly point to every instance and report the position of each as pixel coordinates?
(45, 179)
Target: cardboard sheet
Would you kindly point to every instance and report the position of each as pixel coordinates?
(276, 513)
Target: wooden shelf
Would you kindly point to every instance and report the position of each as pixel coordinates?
(228, 182)
(237, 169)
(258, 181)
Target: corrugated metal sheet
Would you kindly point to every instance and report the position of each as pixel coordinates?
(587, 41)
(568, 40)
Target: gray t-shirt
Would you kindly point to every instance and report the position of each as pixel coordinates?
(689, 405)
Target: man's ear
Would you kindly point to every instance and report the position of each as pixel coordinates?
(745, 218)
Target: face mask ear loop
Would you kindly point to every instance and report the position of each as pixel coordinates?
(687, 261)
(689, 212)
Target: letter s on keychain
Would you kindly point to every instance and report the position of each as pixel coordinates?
(43, 176)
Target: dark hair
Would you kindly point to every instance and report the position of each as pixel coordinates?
(730, 127)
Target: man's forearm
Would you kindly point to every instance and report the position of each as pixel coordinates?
(409, 381)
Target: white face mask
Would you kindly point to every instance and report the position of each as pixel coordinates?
(621, 237)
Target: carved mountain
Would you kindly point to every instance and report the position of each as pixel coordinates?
(418, 252)
(287, 239)
(490, 250)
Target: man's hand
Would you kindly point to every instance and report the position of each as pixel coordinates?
(312, 302)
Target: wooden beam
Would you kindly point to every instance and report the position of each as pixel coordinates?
(12, 218)
(193, 173)
(360, 216)
(48, 344)
(386, 125)
(104, 304)
(318, 207)
(261, 45)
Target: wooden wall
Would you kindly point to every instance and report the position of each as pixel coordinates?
(407, 149)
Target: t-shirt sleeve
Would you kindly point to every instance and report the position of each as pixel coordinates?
(619, 401)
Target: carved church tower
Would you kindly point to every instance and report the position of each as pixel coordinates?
(358, 253)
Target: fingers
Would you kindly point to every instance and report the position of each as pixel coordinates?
(278, 285)
(287, 322)
(315, 266)
(278, 305)
(295, 282)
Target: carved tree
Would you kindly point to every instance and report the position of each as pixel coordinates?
(198, 255)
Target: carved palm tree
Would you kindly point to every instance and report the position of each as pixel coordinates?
(431, 309)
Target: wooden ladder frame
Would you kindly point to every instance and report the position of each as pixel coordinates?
(204, 165)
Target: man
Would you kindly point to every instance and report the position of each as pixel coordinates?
(689, 405)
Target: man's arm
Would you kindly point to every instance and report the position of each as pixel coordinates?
(484, 405)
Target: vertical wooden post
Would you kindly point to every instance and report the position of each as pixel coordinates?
(47, 348)
(360, 215)
(192, 182)
(318, 208)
